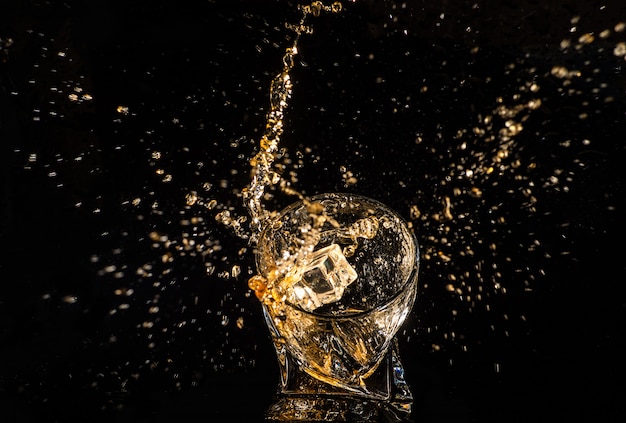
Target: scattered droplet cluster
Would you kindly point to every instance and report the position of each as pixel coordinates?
(175, 263)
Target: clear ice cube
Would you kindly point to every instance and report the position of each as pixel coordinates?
(322, 280)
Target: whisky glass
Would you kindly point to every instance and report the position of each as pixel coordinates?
(344, 296)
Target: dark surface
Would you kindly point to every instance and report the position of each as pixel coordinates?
(195, 79)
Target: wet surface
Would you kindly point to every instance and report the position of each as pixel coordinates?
(496, 129)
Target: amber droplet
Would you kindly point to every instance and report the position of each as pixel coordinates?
(265, 143)
(260, 294)
(315, 208)
(257, 282)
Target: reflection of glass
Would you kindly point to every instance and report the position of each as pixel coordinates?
(346, 268)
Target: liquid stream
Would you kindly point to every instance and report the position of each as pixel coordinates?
(271, 287)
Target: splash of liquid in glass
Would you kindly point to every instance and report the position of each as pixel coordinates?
(476, 185)
(264, 176)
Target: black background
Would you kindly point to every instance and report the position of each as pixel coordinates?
(195, 77)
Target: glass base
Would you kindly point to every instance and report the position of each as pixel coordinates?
(302, 398)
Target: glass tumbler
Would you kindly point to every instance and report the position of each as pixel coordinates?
(344, 269)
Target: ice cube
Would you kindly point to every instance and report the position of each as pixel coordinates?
(322, 279)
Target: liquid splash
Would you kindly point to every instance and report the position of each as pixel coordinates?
(473, 178)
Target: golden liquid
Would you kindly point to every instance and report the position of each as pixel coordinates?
(343, 342)
(264, 175)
